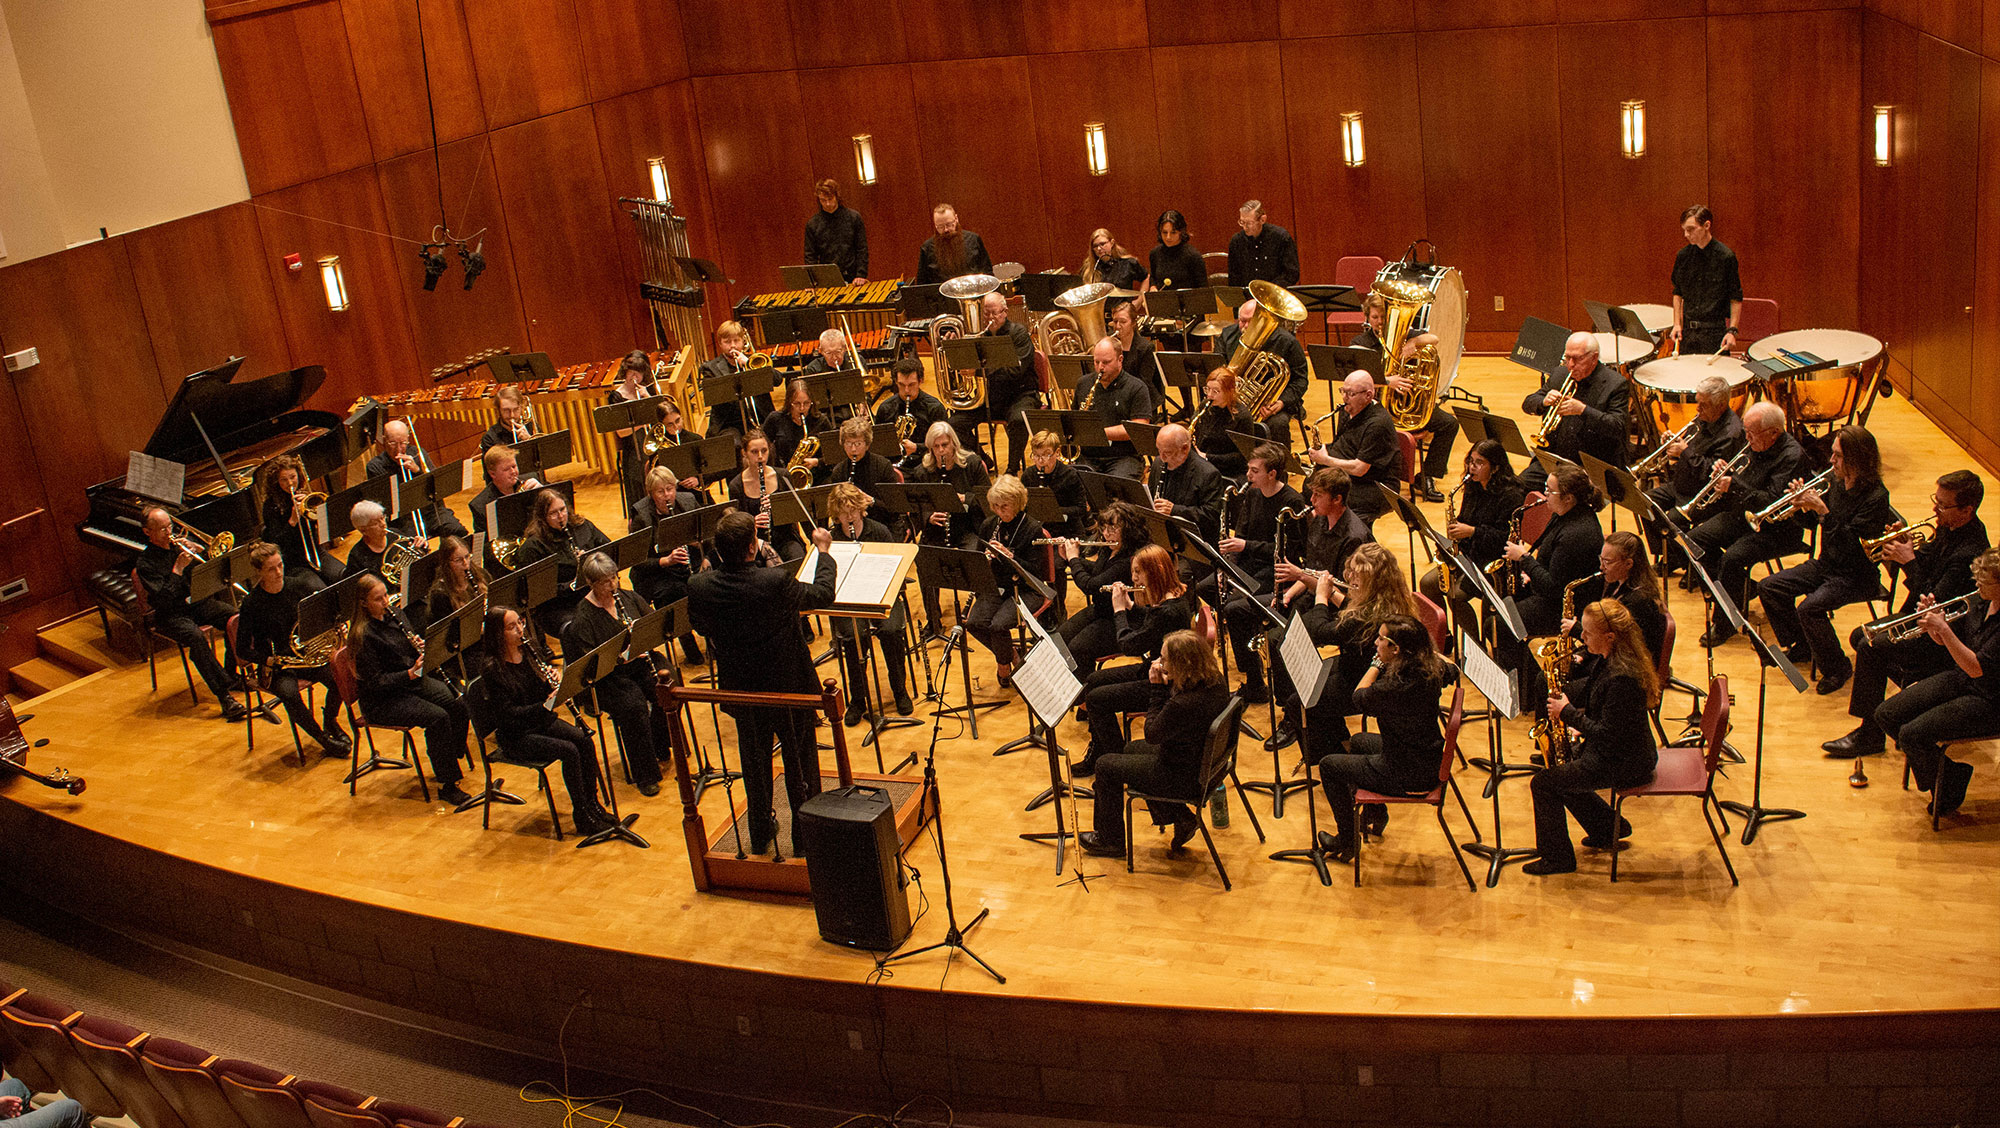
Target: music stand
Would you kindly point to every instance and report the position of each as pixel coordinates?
(1481, 425)
(543, 451)
(1188, 371)
(811, 276)
(689, 529)
(840, 386)
(1327, 297)
(327, 607)
(984, 353)
(336, 516)
(702, 270)
(1100, 490)
(799, 507)
(1048, 685)
(1039, 291)
(447, 638)
(521, 368)
(219, 573)
(1332, 363)
(421, 491)
(1067, 370)
(961, 571)
(420, 574)
(1309, 673)
(741, 388)
(1539, 346)
(577, 676)
(706, 460)
(523, 589)
(792, 326)
(507, 517)
(1500, 688)
(1754, 813)
(918, 303)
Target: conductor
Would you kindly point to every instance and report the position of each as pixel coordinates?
(750, 615)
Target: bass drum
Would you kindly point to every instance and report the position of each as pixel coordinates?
(1445, 315)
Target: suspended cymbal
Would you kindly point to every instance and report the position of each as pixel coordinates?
(1122, 293)
(969, 286)
(1008, 271)
(1206, 329)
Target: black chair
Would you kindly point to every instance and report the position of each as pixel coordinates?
(1218, 763)
(480, 708)
(1943, 753)
(147, 635)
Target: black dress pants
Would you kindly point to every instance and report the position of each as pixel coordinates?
(570, 745)
(1139, 766)
(756, 728)
(430, 705)
(1107, 694)
(641, 724)
(1876, 664)
(288, 687)
(1572, 788)
(1935, 711)
(1367, 767)
(184, 627)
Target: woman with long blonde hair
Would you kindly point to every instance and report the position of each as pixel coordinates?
(1376, 590)
(1109, 261)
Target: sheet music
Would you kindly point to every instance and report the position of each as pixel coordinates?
(866, 579)
(158, 478)
(1492, 682)
(843, 553)
(1046, 683)
(1302, 661)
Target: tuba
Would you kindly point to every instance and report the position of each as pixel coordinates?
(1404, 301)
(1261, 376)
(1080, 324)
(961, 391)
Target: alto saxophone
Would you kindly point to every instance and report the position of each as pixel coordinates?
(1554, 656)
(1450, 518)
(1513, 534)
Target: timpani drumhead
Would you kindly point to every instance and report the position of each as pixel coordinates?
(1656, 318)
(1845, 347)
(1619, 351)
(1669, 385)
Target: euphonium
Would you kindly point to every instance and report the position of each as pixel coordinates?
(1404, 301)
(1919, 535)
(1787, 503)
(1261, 376)
(961, 390)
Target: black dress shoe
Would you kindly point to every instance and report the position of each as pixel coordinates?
(1799, 653)
(854, 714)
(1832, 683)
(649, 789)
(1287, 734)
(336, 744)
(1542, 867)
(1714, 638)
(453, 794)
(1597, 843)
(1255, 694)
(1090, 843)
(1184, 828)
(904, 706)
(1372, 824)
(1953, 776)
(1335, 850)
(1427, 489)
(591, 820)
(234, 711)
(1086, 767)
(1860, 742)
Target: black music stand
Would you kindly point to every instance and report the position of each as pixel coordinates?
(523, 589)
(537, 454)
(1077, 429)
(578, 676)
(984, 353)
(421, 491)
(1044, 506)
(628, 415)
(507, 517)
(1100, 490)
(706, 460)
(1067, 370)
(1309, 673)
(702, 270)
(741, 388)
(1479, 425)
(1539, 346)
(1332, 363)
(668, 622)
(1327, 297)
(331, 605)
(1754, 813)
(336, 517)
(1501, 689)
(811, 276)
(1039, 291)
(917, 303)
(521, 368)
(221, 573)
(792, 326)
(961, 571)
(840, 386)
(1621, 323)
(420, 574)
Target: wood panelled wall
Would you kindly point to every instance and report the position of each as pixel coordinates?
(1491, 129)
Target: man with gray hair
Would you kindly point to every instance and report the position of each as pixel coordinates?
(1717, 436)
(399, 455)
(1365, 445)
(1184, 484)
(1261, 251)
(1591, 418)
(1776, 458)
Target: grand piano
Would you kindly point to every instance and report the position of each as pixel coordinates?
(213, 424)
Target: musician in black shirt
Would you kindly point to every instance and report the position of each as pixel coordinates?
(1854, 505)
(1219, 415)
(514, 425)
(1186, 695)
(1718, 436)
(1184, 484)
(460, 580)
(394, 690)
(1109, 261)
(378, 546)
(951, 253)
(1135, 353)
(1962, 700)
(1708, 294)
(517, 685)
(1118, 398)
(1047, 470)
(281, 483)
(503, 479)
(1278, 411)
(626, 694)
(1176, 265)
(755, 488)
(1262, 251)
(265, 628)
(1486, 498)
(1009, 391)
(787, 428)
(911, 402)
(732, 343)
(1092, 633)
(1249, 533)
(1365, 445)
(1941, 569)
(1009, 535)
(555, 531)
(847, 520)
(836, 234)
(400, 455)
(1442, 426)
(1400, 690)
(863, 469)
(1592, 418)
(1332, 532)
(662, 581)
(634, 383)
(963, 471)
(1144, 613)
(1773, 460)
(1566, 550)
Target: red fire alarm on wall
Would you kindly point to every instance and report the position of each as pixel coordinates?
(294, 263)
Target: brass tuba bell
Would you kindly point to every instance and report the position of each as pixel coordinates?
(961, 391)
(1261, 376)
(1403, 302)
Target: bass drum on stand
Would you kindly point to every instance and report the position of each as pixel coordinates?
(1445, 315)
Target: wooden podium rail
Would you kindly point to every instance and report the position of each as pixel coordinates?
(716, 867)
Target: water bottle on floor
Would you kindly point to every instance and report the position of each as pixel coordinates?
(1218, 808)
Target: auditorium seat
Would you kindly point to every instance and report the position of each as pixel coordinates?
(264, 1098)
(111, 1049)
(184, 1075)
(330, 1106)
(15, 1056)
(412, 1116)
(41, 1025)
(1358, 271)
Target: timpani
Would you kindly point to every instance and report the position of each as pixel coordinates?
(1667, 387)
(1620, 352)
(1829, 395)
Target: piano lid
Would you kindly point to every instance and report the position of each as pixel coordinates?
(225, 408)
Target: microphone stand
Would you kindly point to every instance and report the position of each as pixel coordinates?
(954, 936)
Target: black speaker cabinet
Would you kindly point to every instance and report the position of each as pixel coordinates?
(857, 883)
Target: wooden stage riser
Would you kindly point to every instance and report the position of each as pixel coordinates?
(676, 1022)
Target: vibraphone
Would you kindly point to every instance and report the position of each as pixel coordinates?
(869, 307)
(563, 402)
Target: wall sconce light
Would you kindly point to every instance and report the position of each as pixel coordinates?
(1094, 149)
(864, 158)
(334, 281)
(1882, 115)
(657, 167)
(1632, 128)
(1353, 150)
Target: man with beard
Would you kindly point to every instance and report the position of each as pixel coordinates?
(951, 253)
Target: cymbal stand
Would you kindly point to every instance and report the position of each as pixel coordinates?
(954, 936)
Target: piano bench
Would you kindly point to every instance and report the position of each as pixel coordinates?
(111, 589)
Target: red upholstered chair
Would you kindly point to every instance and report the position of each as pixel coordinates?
(41, 1025)
(1217, 264)
(1434, 621)
(1758, 319)
(1689, 771)
(1435, 796)
(111, 1050)
(183, 1076)
(412, 1116)
(345, 680)
(1534, 520)
(18, 1059)
(263, 1097)
(330, 1106)
(1358, 271)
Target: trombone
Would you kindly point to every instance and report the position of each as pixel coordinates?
(1788, 503)
(1919, 535)
(308, 501)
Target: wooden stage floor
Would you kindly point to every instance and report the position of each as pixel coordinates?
(1859, 907)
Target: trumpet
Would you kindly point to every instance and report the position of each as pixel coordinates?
(1707, 493)
(1788, 504)
(1552, 418)
(1910, 624)
(1919, 535)
(1657, 461)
